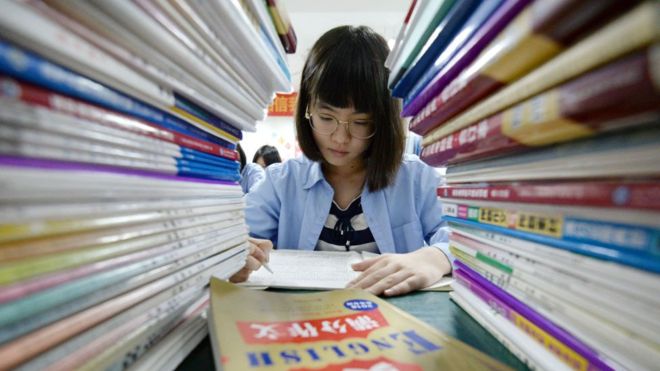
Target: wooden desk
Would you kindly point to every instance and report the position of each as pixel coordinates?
(434, 308)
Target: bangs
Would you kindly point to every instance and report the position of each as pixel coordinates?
(348, 78)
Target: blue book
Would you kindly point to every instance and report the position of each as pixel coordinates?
(471, 26)
(194, 155)
(195, 110)
(27, 66)
(436, 44)
(647, 260)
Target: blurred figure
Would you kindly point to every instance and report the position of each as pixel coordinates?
(266, 156)
(251, 174)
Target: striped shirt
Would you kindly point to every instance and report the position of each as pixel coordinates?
(346, 230)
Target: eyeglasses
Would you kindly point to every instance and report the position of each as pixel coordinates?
(326, 124)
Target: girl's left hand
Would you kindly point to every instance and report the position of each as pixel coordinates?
(397, 274)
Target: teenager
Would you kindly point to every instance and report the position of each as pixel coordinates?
(353, 189)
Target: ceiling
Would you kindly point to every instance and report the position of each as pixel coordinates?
(310, 19)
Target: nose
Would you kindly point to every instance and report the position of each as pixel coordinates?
(342, 134)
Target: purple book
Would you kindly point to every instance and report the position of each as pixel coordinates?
(468, 53)
(511, 308)
(63, 165)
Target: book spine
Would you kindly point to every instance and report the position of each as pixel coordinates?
(634, 30)
(623, 255)
(396, 49)
(26, 66)
(617, 95)
(635, 238)
(208, 117)
(440, 74)
(633, 195)
(561, 343)
(536, 35)
(34, 95)
(441, 37)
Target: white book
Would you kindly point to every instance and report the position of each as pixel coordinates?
(131, 16)
(412, 17)
(516, 340)
(315, 270)
(103, 31)
(21, 24)
(229, 22)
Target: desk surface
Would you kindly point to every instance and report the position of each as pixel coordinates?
(434, 308)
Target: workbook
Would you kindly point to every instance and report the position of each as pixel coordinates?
(316, 270)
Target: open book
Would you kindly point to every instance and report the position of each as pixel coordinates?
(316, 270)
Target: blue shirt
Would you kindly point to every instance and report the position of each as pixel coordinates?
(291, 206)
(251, 175)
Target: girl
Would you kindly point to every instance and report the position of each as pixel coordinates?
(353, 189)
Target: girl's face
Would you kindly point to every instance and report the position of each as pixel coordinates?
(261, 162)
(339, 148)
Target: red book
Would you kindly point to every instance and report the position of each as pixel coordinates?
(34, 95)
(621, 194)
(535, 36)
(618, 95)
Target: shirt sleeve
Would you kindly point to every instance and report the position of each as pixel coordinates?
(262, 209)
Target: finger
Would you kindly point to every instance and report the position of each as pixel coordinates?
(387, 282)
(240, 276)
(372, 275)
(366, 264)
(411, 283)
(252, 263)
(266, 246)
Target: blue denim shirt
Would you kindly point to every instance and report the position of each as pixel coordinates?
(291, 206)
(251, 175)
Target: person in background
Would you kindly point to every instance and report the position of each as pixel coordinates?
(266, 155)
(251, 174)
(353, 189)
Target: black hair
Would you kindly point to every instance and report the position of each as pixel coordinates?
(268, 153)
(346, 67)
(241, 156)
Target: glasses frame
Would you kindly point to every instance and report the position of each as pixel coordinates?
(348, 123)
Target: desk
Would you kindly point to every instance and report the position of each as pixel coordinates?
(434, 308)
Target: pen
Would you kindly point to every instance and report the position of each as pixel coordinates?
(265, 265)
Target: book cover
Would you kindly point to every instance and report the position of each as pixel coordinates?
(29, 67)
(515, 340)
(32, 30)
(622, 194)
(442, 35)
(617, 255)
(629, 153)
(589, 294)
(422, 24)
(579, 225)
(482, 37)
(405, 29)
(583, 107)
(563, 344)
(534, 36)
(632, 31)
(326, 331)
(283, 26)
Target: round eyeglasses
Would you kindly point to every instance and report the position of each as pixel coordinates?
(326, 124)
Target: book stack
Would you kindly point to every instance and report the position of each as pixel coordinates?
(545, 115)
(119, 196)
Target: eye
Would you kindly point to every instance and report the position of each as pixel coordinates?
(326, 117)
(361, 123)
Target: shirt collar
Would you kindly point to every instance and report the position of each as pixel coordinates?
(315, 174)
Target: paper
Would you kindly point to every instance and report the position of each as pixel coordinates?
(316, 270)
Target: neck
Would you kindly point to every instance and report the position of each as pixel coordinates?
(348, 170)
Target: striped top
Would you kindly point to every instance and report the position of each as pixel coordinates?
(346, 230)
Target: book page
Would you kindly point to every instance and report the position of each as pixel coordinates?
(303, 269)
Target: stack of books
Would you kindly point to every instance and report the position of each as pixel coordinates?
(545, 115)
(118, 173)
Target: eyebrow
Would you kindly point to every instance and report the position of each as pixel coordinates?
(334, 109)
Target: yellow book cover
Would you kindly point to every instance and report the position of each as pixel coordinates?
(326, 331)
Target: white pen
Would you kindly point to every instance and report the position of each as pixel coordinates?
(265, 265)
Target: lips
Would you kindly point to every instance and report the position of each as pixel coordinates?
(338, 152)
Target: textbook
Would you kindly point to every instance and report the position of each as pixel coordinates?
(316, 270)
(335, 330)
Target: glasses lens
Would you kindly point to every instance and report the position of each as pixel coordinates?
(324, 124)
(362, 129)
